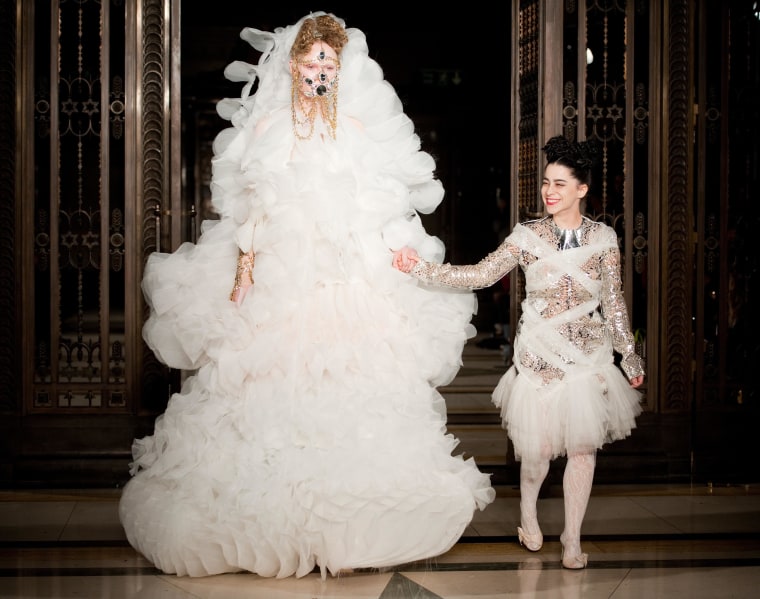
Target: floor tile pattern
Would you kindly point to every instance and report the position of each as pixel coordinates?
(643, 542)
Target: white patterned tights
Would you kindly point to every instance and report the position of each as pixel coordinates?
(576, 484)
(531, 478)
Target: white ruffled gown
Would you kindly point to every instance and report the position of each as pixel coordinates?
(311, 433)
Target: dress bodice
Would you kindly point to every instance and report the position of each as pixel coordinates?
(574, 304)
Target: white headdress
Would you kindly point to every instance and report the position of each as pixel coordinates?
(272, 73)
(365, 95)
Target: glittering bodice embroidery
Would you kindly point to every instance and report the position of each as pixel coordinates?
(574, 306)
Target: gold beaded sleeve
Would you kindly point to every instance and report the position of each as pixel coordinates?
(471, 276)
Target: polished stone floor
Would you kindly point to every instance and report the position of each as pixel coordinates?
(643, 542)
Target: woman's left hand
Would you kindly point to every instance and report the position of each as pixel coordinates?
(637, 381)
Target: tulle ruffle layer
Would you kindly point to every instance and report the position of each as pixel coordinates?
(318, 443)
(211, 526)
(579, 414)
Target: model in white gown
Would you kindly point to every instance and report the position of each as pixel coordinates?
(311, 432)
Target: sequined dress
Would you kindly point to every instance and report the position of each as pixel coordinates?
(311, 432)
(563, 394)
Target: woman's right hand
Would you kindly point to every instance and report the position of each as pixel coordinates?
(405, 259)
(239, 291)
(243, 276)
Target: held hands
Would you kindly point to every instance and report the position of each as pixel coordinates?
(637, 381)
(405, 259)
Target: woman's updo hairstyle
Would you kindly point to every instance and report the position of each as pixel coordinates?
(323, 28)
(579, 157)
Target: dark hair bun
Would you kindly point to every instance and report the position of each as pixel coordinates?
(582, 155)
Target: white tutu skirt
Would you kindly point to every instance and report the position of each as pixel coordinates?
(578, 414)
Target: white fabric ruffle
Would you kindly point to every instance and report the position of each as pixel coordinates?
(311, 432)
(576, 415)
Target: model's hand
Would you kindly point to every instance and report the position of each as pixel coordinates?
(405, 259)
(637, 381)
(243, 276)
(238, 293)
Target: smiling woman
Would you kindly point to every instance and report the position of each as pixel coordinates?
(563, 395)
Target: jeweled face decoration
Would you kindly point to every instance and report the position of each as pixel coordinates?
(318, 70)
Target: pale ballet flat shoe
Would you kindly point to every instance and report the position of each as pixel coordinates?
(530, 542)
(573, 562)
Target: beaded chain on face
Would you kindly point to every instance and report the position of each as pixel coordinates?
(304, 109)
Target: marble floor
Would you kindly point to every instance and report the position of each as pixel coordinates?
(643, 542)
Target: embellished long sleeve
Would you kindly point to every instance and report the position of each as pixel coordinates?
(471, 276)
(615, 314)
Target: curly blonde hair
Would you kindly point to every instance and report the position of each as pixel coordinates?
(323, 28)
